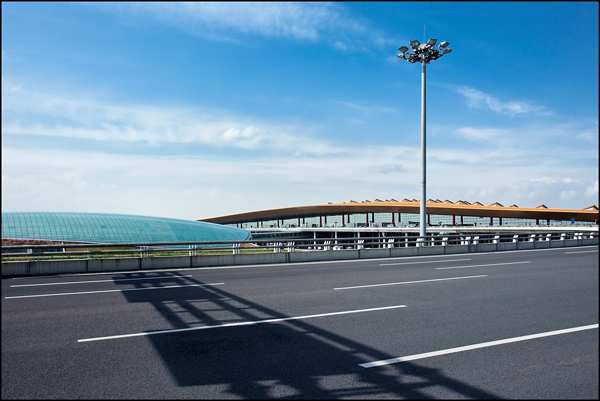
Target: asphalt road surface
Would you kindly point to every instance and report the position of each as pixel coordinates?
(519, 324)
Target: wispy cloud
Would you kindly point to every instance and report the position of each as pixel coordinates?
(570, 139)
(35, 113)
(35, 176)
(478, 99)
(368, 109)
(553, 193)
(191, 185)
(481, 134)
(233, 21)
(535, 149)
(592, 190)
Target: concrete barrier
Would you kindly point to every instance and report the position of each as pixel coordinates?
(168, 262)
(165, 262)
(374, 253)
(486, 248)
(452, 249)
(541, 244)
(110, 265)
(525, 245)
(507, 246)
(344, 254)
(405, 251)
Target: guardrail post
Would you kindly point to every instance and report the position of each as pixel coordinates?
(291, 246)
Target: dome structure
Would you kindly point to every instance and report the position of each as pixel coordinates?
(102, 228)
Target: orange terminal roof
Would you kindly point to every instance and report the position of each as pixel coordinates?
(458, 208)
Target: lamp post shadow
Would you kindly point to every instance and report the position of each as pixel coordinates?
(287, 359)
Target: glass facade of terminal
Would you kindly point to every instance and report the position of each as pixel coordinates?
(400, 220)
(112, 228)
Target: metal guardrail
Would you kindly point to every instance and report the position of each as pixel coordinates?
(327, 243)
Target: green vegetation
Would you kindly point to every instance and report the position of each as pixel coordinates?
(119, 255)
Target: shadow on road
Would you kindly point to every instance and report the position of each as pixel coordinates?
(291, 359)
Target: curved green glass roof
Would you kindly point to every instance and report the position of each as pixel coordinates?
(112, 228)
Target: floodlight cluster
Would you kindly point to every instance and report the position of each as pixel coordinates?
(423, 53)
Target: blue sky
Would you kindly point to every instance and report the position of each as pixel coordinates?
(197, 110)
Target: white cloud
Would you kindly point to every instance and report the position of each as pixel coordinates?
(568, 195)
(532, 192)
(234, 21)
(366, 109)
(340, 46)
(592, 191)
(203, 186)
(478, 99)
(248, 137)
(481, 134)
(537, 143)
(545, 180)
(31, 113)
(389, 168)
(589, 135)
(298, 20)
(35, 179)
(290, 166)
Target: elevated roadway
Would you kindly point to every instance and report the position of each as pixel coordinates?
(514, 324)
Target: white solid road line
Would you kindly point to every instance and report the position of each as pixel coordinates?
(246, 323)
(407, 282)
(100, 281)
(122, 290)
(475, 346)
(428, 261)
(489, 264)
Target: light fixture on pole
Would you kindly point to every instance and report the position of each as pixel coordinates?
(423, 53)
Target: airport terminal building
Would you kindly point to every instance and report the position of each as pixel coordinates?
(405, 214)
(389, 216)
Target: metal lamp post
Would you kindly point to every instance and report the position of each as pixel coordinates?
(423, 53)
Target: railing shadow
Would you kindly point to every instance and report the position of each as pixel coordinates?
(292, 359)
